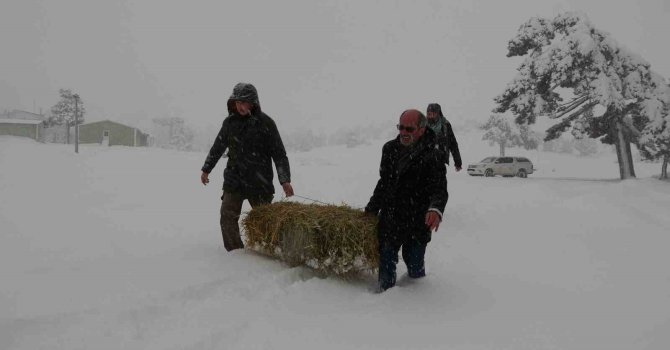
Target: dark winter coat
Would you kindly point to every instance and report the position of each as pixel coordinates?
(412, 180)
(446, 140)
(253, 142)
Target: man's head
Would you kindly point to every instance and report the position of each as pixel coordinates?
(411, 127)
(244, 99)
(433, 111)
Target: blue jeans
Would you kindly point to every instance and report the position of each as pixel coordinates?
(413, 253)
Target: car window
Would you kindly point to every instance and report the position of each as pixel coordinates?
(505, 160)
(521, 159)
(488, 160)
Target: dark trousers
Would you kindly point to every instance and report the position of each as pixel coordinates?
(231, 207)
(413, 253)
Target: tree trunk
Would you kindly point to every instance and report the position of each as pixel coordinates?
(664, 167)
(68, 133)
(623, 152)
(502, 149)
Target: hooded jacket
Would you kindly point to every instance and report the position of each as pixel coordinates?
(253, 142)
(412, 181)
(445, 136)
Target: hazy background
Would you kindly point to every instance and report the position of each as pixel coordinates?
(317, 65)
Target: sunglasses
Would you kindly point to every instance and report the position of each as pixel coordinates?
(406, 128)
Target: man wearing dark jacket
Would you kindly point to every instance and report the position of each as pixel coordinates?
(252, 140)
(409, 198)
(445, 134)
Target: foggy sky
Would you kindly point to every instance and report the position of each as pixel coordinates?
(316, 64)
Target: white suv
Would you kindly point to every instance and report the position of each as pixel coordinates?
(505, 166)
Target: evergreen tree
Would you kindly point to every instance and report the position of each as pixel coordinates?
(62, 113)
(604, 82)
(655, 139)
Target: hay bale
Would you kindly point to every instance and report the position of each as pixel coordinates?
(328, 238)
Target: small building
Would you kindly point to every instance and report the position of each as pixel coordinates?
(111, 133)
(22, 123)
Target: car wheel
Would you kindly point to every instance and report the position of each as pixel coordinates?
(488, 173)
(522, 173)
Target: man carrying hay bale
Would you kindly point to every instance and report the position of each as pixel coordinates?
(409, 198)
(253, 141)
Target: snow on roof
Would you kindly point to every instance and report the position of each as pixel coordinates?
(19, 121)
(19, 114)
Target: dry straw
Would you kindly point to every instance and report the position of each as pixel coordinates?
(329, 238)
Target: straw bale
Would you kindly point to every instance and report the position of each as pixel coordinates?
(329, 238)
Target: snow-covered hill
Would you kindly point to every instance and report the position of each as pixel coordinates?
(119, 248)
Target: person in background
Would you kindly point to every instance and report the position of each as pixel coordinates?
(252, 140)
(409, 197)
(445, 134)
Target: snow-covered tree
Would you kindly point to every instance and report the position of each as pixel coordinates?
(570, 145)
(500, 131)
(604, 83)
(62, 113)
(173, 133)
(528, 138)
(655, 139)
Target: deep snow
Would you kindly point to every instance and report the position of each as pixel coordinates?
(119, 248)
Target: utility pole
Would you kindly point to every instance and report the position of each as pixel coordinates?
(76, 123)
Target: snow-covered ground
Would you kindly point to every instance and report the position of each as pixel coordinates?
(119, 248)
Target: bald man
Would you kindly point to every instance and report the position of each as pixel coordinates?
(409, 198)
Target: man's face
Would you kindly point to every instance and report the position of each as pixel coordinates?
(243, 107)
(409, 129)
(432, 115)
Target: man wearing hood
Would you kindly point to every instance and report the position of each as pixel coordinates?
(445, 134)
(409, 198)
(253, 142)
